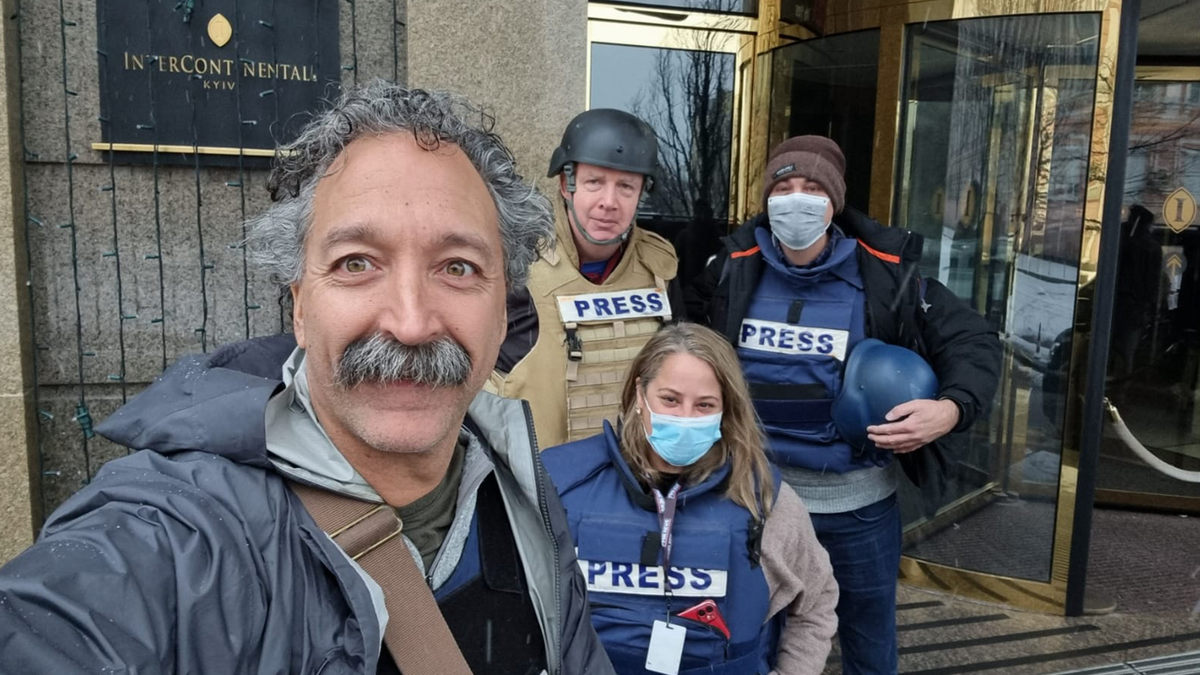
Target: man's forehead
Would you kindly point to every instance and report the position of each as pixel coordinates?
(396, 144)
(404, 169)
(381, 186)
(593, 170)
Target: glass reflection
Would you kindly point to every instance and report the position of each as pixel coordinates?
(749, 7)
(1154, 359)
(994, 141)
(827, 86)
(687, 96)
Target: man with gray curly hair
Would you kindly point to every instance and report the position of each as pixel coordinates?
(398, 225)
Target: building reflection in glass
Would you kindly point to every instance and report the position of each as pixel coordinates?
(994, 141)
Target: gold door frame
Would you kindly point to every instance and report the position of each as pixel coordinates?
(634, 26)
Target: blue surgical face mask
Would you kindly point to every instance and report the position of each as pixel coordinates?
(797, 219)
(682, 441)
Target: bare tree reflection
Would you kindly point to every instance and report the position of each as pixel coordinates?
(689, 103)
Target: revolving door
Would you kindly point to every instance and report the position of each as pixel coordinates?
(987, 133)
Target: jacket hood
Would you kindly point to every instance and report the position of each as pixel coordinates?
(839, 262)
(202, 403)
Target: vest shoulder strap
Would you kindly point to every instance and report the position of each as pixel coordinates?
(416, 635)
(656, 254)
(575, 462)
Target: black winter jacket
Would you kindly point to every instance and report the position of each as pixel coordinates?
(902, 308)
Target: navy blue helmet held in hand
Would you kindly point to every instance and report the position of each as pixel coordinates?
(878, 377)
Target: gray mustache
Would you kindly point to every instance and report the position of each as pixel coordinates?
(384, 360)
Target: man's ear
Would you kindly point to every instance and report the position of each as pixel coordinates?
(562, 186)
(298, 315)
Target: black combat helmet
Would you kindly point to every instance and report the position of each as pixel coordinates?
(610, 138)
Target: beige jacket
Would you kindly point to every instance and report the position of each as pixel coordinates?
(800, 579)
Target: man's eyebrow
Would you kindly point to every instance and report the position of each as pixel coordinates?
(467, 240)
(353, 233)
(371, 234)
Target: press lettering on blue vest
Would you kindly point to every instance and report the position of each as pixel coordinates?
(635, 579)
(638, 303)
(786, 338)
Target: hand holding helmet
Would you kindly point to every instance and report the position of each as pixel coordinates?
(920, 422)
(887, 400)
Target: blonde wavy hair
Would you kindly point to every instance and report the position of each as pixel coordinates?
(750, 481)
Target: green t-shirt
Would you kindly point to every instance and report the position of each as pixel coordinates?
(427, 520)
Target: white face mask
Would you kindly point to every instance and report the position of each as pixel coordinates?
(797, 219)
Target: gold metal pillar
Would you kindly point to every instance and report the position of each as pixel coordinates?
(887, 121)
(1106, 71)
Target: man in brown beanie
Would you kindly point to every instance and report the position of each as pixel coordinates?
(795, 290)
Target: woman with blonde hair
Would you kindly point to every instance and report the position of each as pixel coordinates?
(696, 557)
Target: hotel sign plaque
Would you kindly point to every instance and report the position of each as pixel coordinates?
(209, 81)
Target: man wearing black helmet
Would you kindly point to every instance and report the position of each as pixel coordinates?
(600, 293)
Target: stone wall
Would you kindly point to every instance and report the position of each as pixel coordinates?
(525, 59)
(130, 266)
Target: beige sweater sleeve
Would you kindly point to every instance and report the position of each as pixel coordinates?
(800, 582)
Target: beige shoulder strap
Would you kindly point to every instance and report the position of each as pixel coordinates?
(416, 634)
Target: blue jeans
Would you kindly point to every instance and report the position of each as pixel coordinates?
(864, 548)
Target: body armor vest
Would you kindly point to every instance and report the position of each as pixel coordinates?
(486, 600)
(587, 334)
(800, 326)
(714, 559)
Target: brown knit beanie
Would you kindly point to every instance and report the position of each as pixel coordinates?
(813, 157)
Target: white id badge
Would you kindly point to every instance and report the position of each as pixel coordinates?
(666, 648)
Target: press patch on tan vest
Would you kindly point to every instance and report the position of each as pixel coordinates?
(587, 336)
(612, 306)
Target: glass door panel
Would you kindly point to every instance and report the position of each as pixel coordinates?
(1154, 359)
(994, 142)
(687, 96)
(827, 86)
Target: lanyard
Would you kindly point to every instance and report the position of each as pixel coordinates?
(666, 521)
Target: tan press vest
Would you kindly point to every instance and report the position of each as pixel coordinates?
(572, 388)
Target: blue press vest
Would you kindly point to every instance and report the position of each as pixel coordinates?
(468, 568)
(800, 326)
(710, 559)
